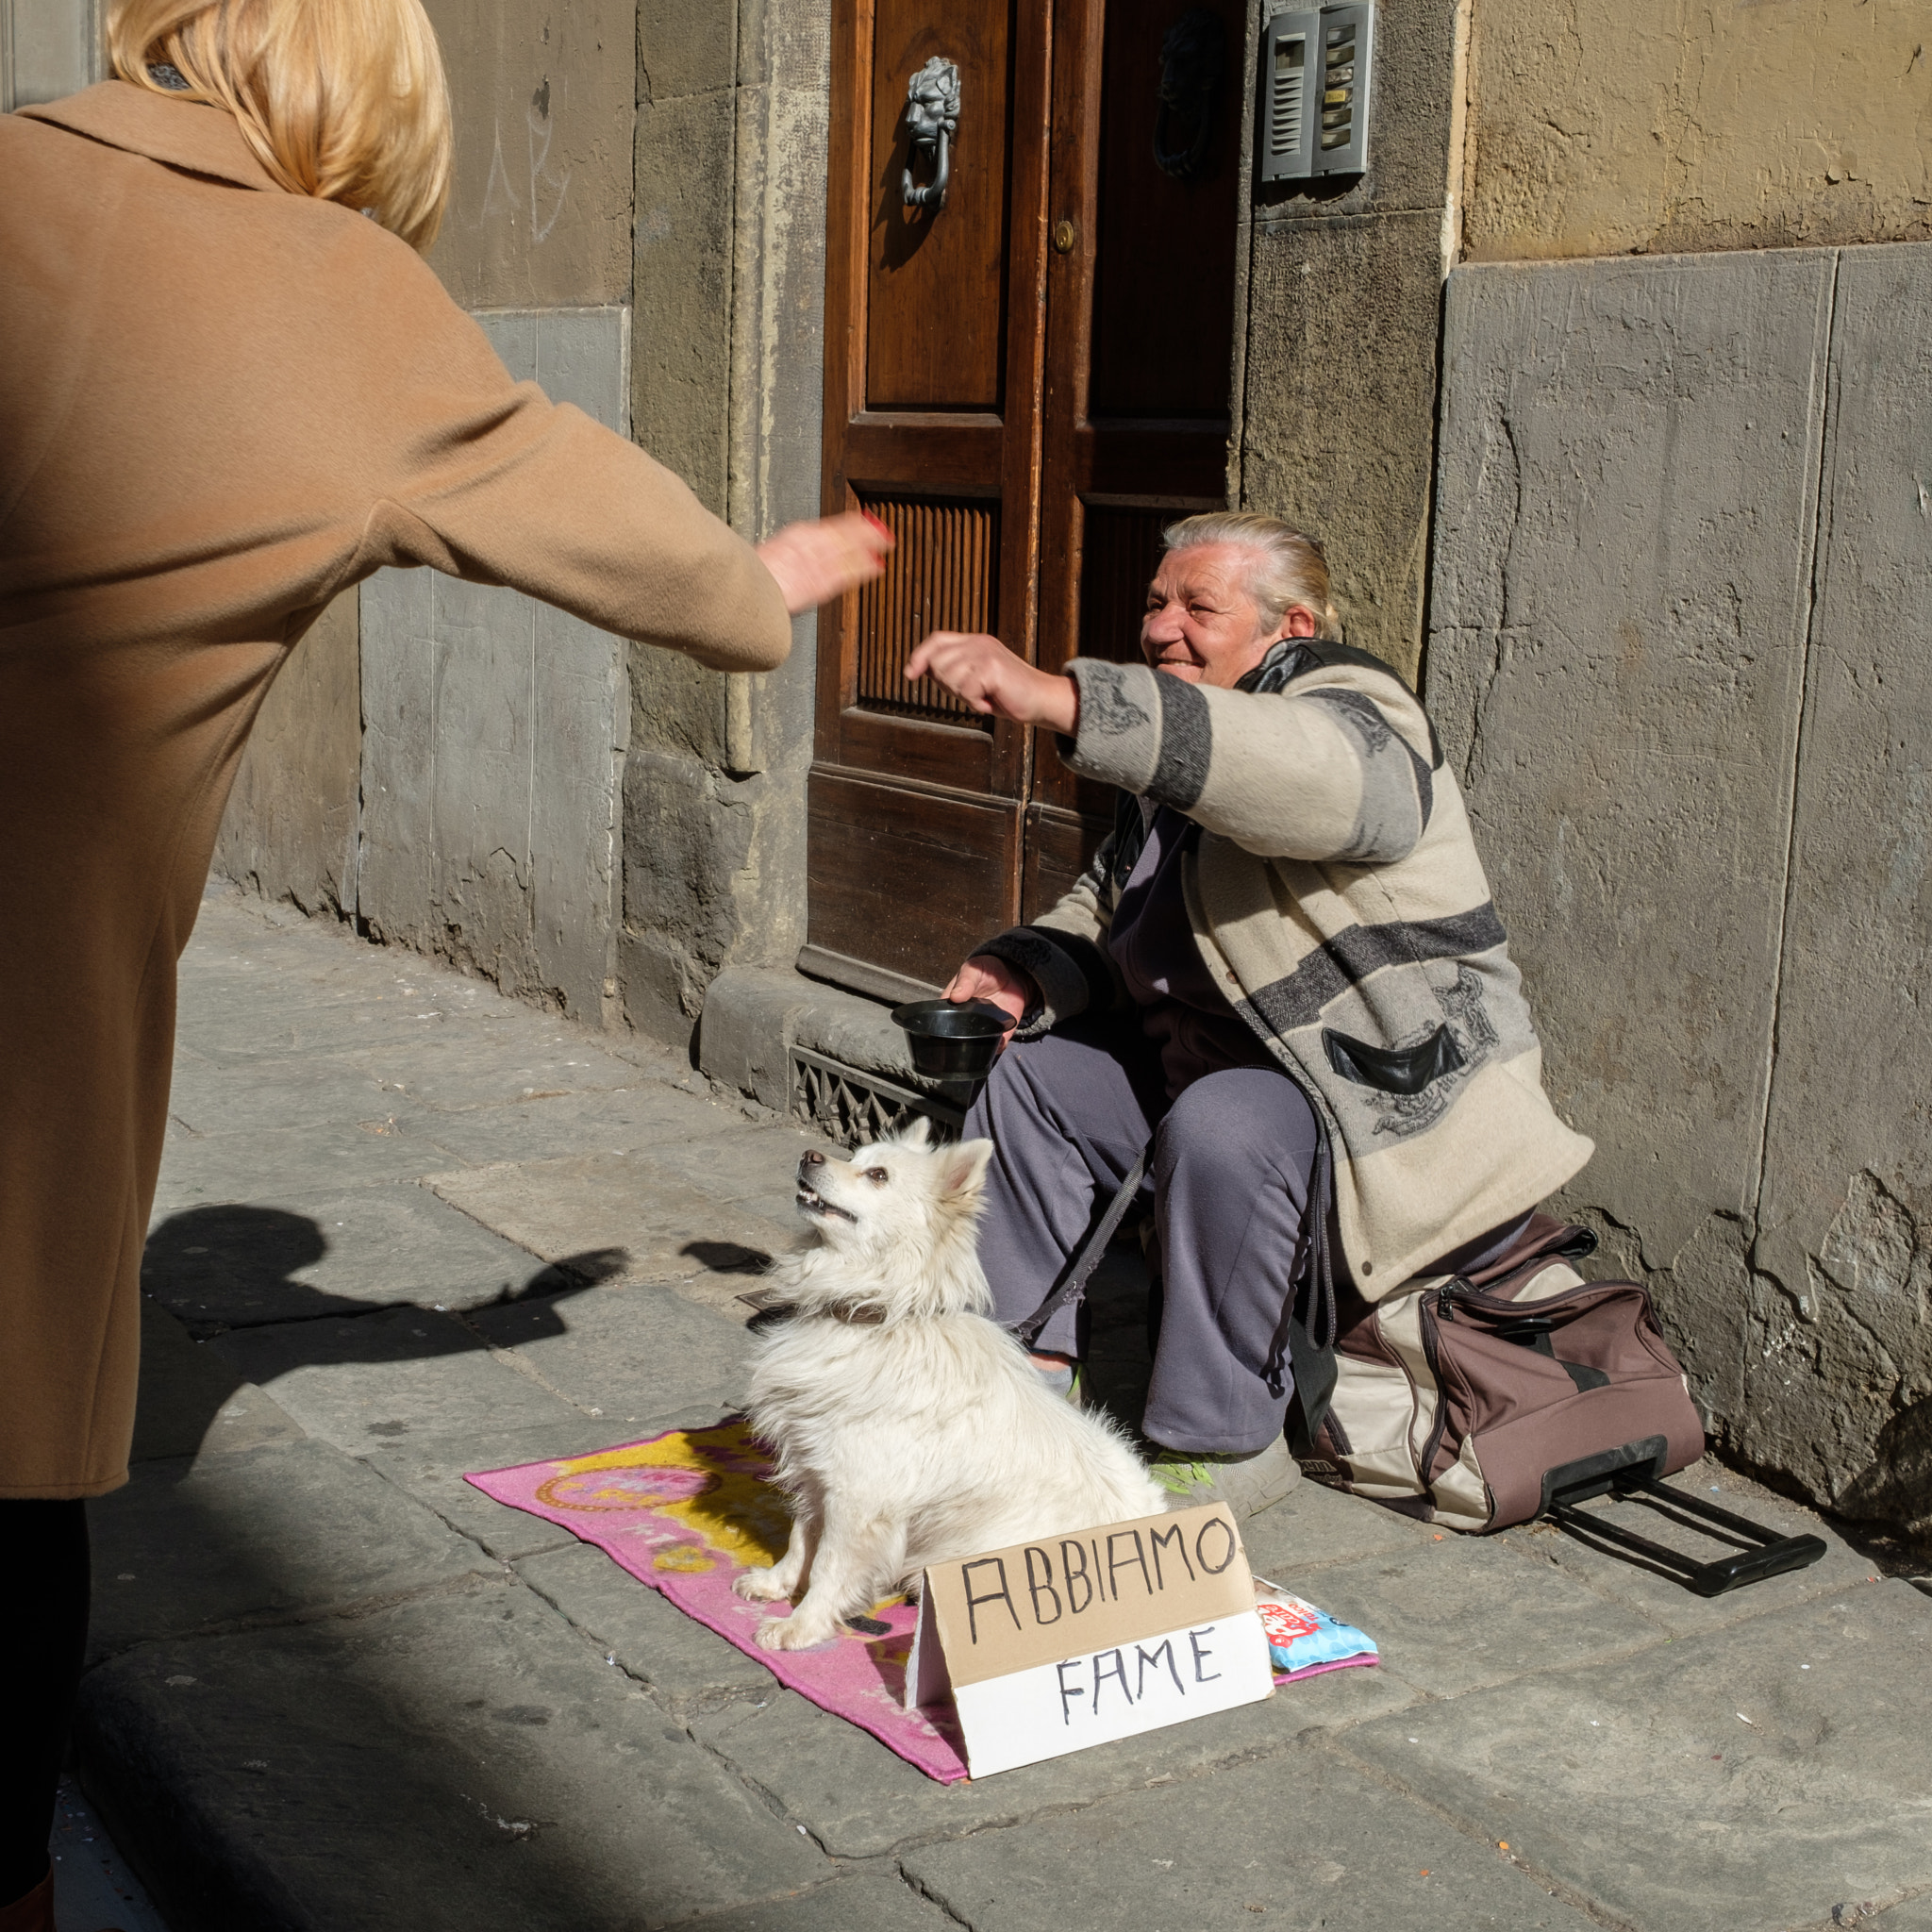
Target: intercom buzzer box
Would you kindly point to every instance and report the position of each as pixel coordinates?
(1315, 69)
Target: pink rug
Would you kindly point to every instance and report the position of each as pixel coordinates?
(685, 1512)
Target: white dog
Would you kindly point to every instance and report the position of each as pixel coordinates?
(909, 1427)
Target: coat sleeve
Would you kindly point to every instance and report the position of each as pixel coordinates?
(1333, 770)
(487, 479)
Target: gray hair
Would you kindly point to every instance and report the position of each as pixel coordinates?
(1289, 568)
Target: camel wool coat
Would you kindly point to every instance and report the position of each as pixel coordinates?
(220, 405)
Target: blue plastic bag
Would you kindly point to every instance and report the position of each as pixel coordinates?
(1303, 1639)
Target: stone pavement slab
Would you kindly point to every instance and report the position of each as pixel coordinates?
(1455, 1615)
(626, 1353)
(668, 1229)
(275, 1017)
(92, 1885)
(756, 1165)
(297, 1254)
(195, 1401)
(1915, 1915)
(689, 1669)
(858, 1800)
(222, 1167)
(880, 1903)
(1296, 1840)
(1665, 1601)
(292, 1529)
(268, 1096)
(368, 1384)
(1735, 1782)
(460, 1761)
(558, 1060)
(394, 1707)
(1312, 1528)
(612, 1121)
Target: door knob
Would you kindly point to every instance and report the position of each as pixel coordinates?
(1064, 235)
(932, 124)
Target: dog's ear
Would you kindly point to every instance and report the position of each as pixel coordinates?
(964, 1167)
(916, 1132)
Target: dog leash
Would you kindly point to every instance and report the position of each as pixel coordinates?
(1087, 1258)
(1304, 1347)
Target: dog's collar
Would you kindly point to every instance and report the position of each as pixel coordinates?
(857, 1314)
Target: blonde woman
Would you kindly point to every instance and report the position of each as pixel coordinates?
(229, 389)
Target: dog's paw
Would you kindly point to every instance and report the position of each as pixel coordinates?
(758, 1585)
(795, 1632)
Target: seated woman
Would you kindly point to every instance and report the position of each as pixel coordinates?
(1283, 968)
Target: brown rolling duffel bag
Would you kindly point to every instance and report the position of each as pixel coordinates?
(1458, 1396)
(1521, 1390)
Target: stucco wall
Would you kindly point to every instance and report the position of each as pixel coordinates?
(1682, 576)
(1596, 128)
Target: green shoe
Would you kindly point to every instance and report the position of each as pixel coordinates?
(1247, 1484)
(1067, 1381)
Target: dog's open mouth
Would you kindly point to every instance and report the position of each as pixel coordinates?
(815, 1203)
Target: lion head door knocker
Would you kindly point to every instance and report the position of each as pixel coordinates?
(1193, 55)
(932, 124)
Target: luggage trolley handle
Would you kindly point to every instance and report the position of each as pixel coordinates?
(1636, 1470)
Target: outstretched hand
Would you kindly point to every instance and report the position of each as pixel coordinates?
(994, 682)
(983, 978)
(816, 562)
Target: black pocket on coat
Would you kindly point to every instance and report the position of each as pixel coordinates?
(1394, 1069)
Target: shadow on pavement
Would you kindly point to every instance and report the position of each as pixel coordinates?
(315, 1704)
(253, 1254)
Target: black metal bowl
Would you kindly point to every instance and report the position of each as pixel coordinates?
(953, 1042)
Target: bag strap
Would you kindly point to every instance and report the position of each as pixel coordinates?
(1303, 1344)
(1543, 1239)
(1075, 1276)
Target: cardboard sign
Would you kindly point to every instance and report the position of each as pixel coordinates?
(1051, 1646)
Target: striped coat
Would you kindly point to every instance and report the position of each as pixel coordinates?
(1337, 899)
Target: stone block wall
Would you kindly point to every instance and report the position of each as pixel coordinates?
(1336, 416)
(493, 734)
(598, 825)
(291, 832)
(48, 48)
(543, 100)
(443, 762)
(728, 378)
(1682, 569)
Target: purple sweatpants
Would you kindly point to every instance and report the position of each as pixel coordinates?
(1229, 1176)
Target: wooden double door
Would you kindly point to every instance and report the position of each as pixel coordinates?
(1025, 384)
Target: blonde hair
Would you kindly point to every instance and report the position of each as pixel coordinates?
(341, 99)
(1289, 567)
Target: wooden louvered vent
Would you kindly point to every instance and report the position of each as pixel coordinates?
(944, 574)
(1121, 553)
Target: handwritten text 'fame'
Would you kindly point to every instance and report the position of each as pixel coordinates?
(1050, 1646)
